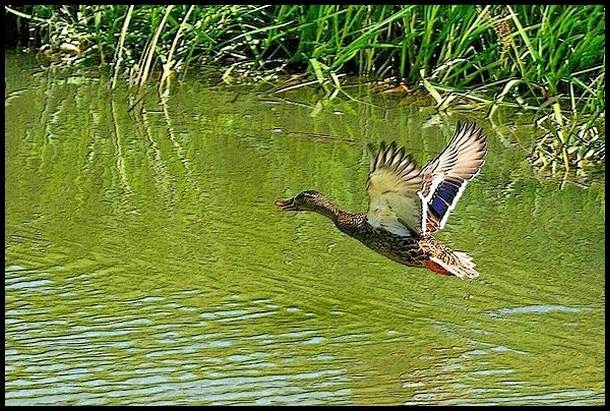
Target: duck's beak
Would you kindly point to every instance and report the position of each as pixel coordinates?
(286, 205)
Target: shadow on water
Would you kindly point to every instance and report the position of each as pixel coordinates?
(145, 262)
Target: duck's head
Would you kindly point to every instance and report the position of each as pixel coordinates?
(308, 200)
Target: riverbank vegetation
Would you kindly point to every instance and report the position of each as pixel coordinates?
(545, 60)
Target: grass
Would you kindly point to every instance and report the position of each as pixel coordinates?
(545, 59)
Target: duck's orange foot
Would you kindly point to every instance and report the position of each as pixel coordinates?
(437, 268)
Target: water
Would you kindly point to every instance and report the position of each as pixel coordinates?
(145, 262)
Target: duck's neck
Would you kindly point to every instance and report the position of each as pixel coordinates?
(328, 209)
(347, 222)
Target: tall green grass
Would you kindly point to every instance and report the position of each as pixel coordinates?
(547, 59)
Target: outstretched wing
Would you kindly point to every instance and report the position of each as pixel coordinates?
(445, 177)
(393, 183)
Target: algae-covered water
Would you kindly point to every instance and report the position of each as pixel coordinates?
(145, 262)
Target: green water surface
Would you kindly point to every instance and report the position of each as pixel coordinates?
(145, 262)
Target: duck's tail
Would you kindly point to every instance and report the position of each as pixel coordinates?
(454, 263)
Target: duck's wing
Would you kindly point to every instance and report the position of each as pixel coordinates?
(445, 177)
(393, 182)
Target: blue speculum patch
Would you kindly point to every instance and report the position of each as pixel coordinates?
(444, 195)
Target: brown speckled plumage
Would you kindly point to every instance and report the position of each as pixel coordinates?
(403, 249)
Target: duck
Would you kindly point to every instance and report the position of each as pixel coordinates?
(409, 204)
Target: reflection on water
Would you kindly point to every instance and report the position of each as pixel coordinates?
(145, 262)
